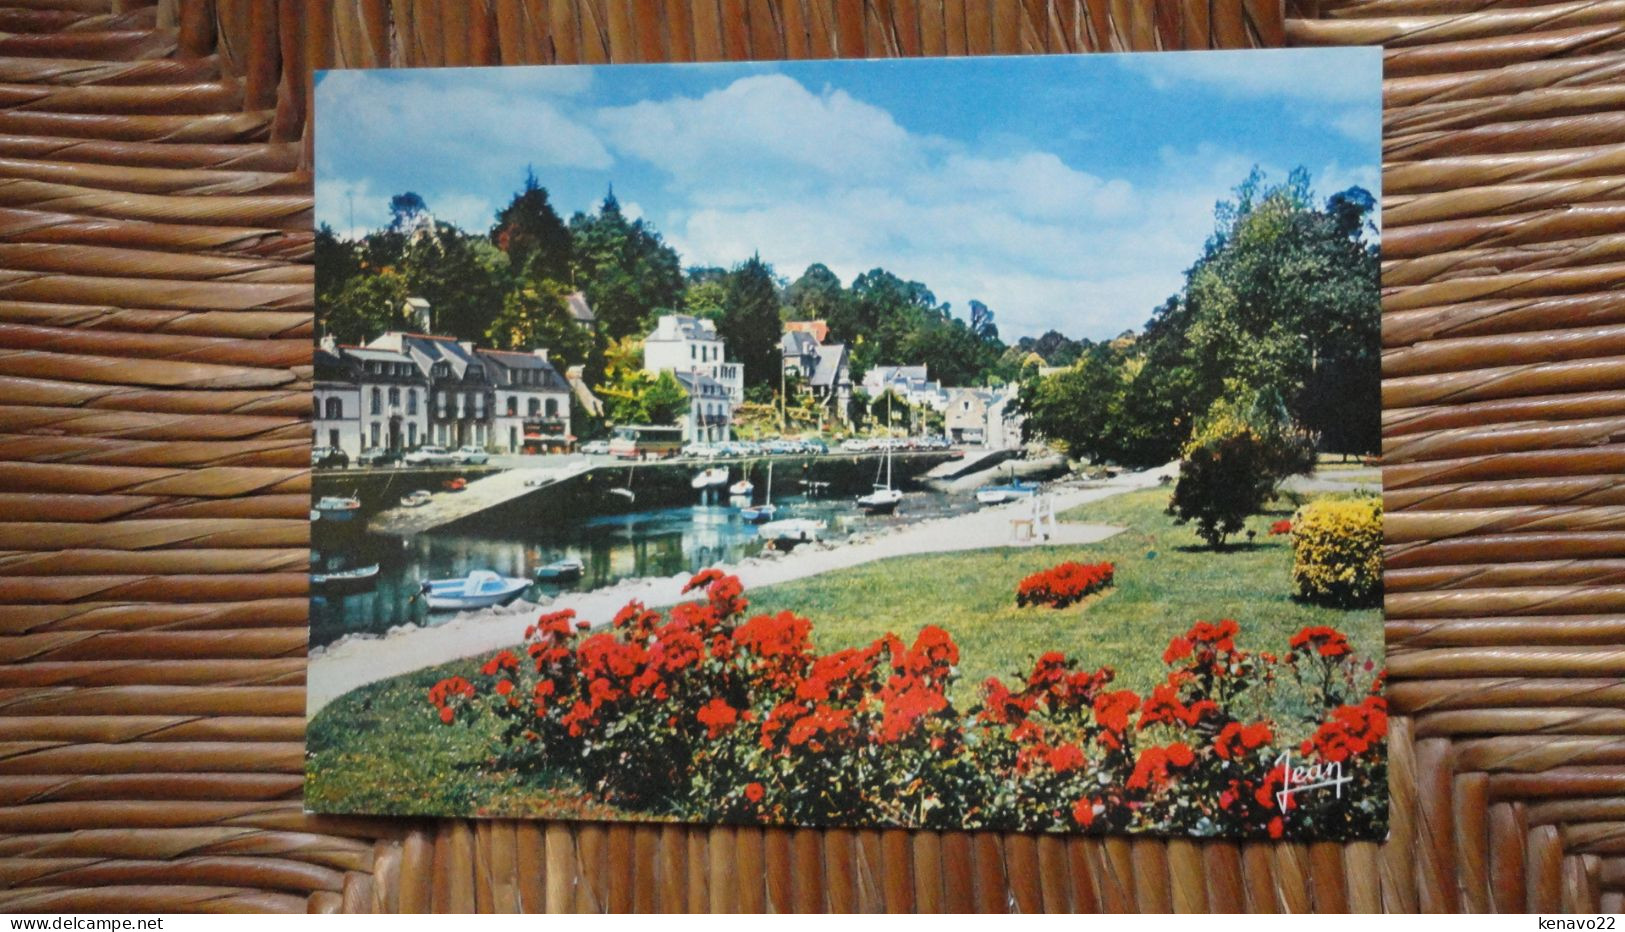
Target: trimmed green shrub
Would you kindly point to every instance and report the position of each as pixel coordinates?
(1337, 552)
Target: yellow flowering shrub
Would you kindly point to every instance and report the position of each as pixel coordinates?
(1337, 552)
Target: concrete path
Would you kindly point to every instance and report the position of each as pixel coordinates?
(480, 495)
(356, 662)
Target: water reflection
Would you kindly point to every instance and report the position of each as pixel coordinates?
(611, 548)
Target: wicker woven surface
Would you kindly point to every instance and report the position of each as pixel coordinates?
(155, 327)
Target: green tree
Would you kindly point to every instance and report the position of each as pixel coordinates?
(664, 400)
(529, 231)
(624, 268)
(535, 316)
(464, 279)
(816, 295)
(750, 322)
(363, 308)
(1225, 476)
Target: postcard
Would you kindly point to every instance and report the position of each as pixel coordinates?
(977, 443)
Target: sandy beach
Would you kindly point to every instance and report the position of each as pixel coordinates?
(356, 661)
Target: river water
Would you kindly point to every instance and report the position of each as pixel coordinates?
(612, 548)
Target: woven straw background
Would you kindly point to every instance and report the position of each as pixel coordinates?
(155, 326)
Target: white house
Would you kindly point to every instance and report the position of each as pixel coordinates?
(337, 405)
(531, 413)
(982, 417)
(461, 397)
(710, 410)
(681, 343)
(393, 398)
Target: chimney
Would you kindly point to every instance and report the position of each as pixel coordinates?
(540, 354)
(329, 344)
(421, 314)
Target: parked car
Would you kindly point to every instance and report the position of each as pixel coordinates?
(781, 446)
(329, 458)
(470, 455)
(378, 456)
(702, 451)
(429, 456)
(814, 445)
(596, 447)
(854, 445)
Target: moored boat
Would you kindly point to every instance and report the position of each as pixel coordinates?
(710, 478)
(741, 488)
(756, 514)
(360, 577)
(560, 570)
(337, 507)
(416, 499)
(479, 589)
(791, 530)
(885, 498)
(1010, 491)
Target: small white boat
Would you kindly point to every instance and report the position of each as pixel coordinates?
(338, 507)
(741, 488)
(560, 570)
(709, 478)
(358, 578)
(756, 514)
(415, 499)
(1009, 492)
(315, 515)
(479, 589)
(791, 530)
(884, 499)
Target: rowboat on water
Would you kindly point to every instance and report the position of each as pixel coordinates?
(360, 577)
(791, 530)
(560, 570)
(756, 514)
(479, 589)
(337, 507)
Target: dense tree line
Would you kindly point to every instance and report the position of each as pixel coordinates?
(508, 287)
(1282, 305)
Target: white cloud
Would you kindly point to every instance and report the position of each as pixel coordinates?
(1345, 75)
(376, 124)
(758, 131)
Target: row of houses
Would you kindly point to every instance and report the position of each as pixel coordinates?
(404, 390)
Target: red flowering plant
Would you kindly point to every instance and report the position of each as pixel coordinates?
(1064, 584)
(707, 712)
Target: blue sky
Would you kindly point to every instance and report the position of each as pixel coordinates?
(1066, 192)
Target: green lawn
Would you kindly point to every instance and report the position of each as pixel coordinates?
(1164, 582)
(381, 749)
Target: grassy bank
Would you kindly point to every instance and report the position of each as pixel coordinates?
(381, 749)
(1165, 581)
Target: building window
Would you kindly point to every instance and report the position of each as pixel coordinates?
(394, 397)
(513, 405)
(377, 401)
(552, 407)
(412, 434)
(411, 401)
(335, 409)
(375, 433)
(533, 407)
(333, 438)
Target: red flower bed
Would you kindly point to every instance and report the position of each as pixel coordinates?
(704, 712)
(1060, 586)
